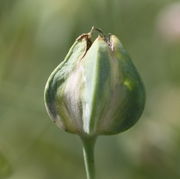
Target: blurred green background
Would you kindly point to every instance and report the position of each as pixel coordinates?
(35, 35)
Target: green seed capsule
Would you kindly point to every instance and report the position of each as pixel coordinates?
(96, 90)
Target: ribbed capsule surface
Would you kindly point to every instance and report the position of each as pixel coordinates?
(96, 90)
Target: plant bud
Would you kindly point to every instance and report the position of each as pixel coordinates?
(96, 90)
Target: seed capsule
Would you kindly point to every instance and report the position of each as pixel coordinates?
(96, 90)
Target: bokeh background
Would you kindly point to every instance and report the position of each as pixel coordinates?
(35, 35)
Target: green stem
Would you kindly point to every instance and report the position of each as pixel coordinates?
(88, 152)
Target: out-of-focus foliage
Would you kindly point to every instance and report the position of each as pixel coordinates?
(35, 35)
